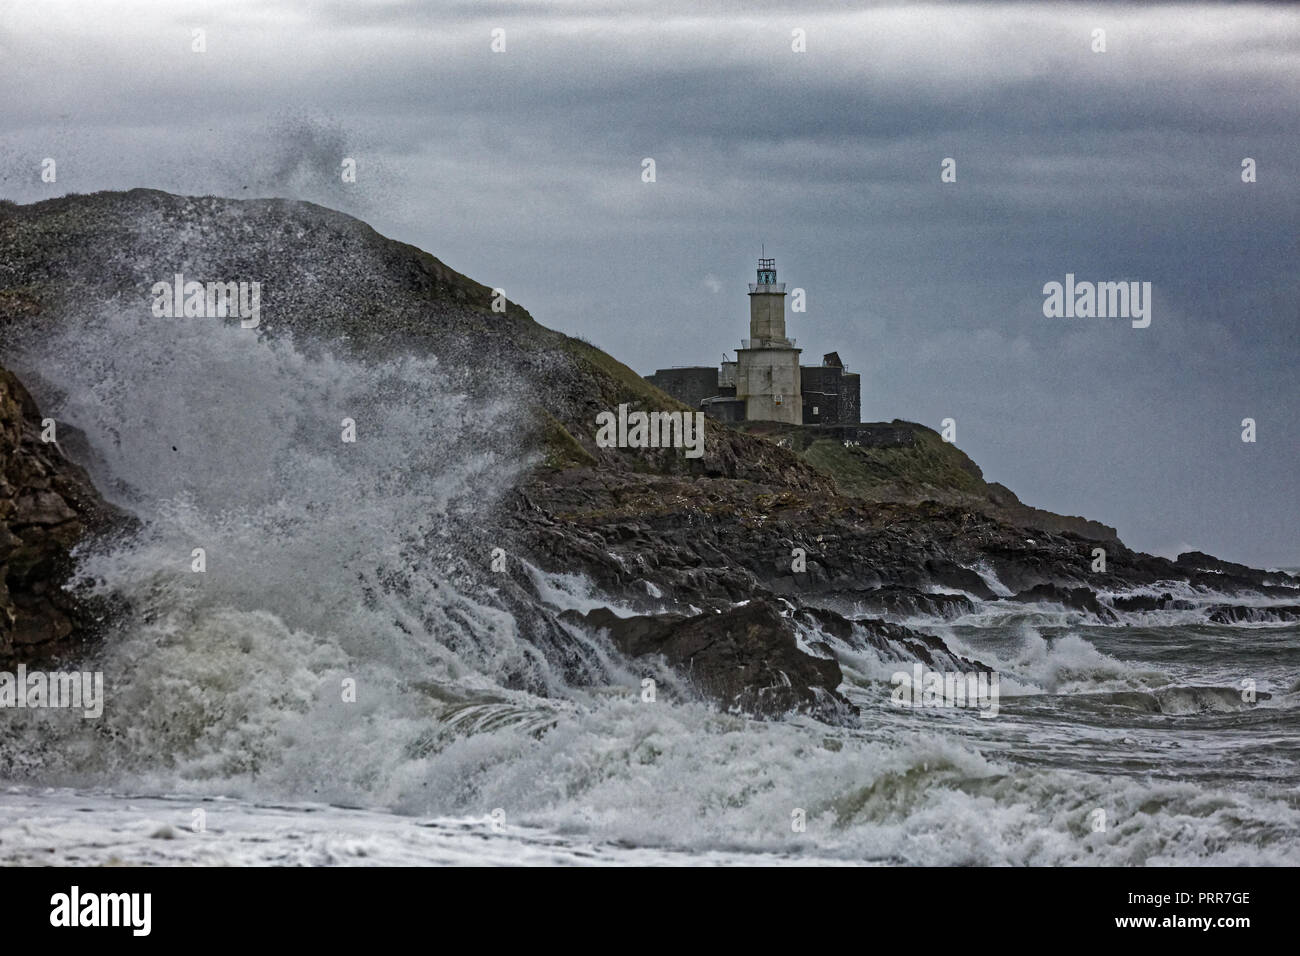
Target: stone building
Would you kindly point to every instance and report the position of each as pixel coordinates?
(766, 382)
(831, 394)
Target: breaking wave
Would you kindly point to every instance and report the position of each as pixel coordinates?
(347, 645)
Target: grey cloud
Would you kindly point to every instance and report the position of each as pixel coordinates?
(523, 170)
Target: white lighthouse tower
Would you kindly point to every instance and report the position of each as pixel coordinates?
(767, 364)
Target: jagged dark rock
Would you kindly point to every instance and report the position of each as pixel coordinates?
(1150, 602)
(47, 506)
(1200, 561)
(1079, 599)
(1246, 614)
(900, 512)
(891, 641)
(900, 601)
(745, 658)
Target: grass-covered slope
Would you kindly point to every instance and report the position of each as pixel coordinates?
(329, 277)
(902, 461)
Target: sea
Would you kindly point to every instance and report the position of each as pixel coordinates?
(340, 685)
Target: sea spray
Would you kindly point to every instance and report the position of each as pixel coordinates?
(325, 561)
(344, 645)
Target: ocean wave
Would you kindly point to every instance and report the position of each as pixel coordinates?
(348, 645)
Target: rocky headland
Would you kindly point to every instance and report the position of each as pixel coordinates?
(726, 564)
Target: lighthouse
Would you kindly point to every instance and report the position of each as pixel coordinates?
(767, 364)
(766, 383)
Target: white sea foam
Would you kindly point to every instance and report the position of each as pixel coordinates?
(990, 577)
(329, 561)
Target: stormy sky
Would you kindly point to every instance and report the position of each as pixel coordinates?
(523, 169)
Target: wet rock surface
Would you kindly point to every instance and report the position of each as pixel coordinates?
(885, 516)
(47, 506)
(1246, 614)
(745, 658)
(1078, 599)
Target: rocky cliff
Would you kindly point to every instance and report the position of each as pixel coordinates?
(47, 506)
(889, 518)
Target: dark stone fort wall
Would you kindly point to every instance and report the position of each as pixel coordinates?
(833, 393)
(688, 385)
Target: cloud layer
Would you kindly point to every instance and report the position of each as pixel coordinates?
(523, 169)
